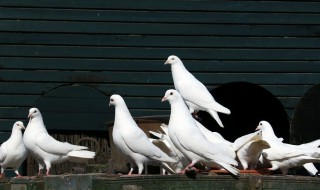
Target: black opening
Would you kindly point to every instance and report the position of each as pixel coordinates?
(249, 104)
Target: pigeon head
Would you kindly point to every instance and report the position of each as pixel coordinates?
(34, 112)
(19, 125)
(263, 126)
(115, 100)
(172, 59)
(171, 96)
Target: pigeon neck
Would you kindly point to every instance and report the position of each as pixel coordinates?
(16, 135)
(180, 108)
(122, 111)
(177, 68)
(269, 135)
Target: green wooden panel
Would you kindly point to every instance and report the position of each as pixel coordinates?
(134, 89)
(21, 100)
(6, 124)
(146, 78)
(157, 41)
(4, 136)
(87, 64)
(159, 28)
(88, 121)
(23, 88)
(159, 16)
(159, 53)
(238, 6)
(15, 112)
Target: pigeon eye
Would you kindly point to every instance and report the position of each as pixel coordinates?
(35, 111)
(111, 100)
(171, 93)
(172, 58)
(18, 124)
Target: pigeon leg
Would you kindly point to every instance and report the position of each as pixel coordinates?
(140, 168)
(18, 174)
(48, 167)
(131, 170)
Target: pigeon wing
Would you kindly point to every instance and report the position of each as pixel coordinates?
(280, 151)
(3, 152)
(196, 93)
(139, 143)
(50, 145)
(210, 151)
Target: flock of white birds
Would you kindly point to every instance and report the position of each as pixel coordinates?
(179, 145)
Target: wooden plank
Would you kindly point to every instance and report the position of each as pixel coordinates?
(159, 16)
(87, 64)
(157, 41)
(6, 124)
(159, 53)
(237, 6)
(4, 136)
(15, 112)
(131, 89)
(88, 121)
(21, 100)
(146, 78)
(159, 28)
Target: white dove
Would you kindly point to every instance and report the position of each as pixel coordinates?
(190, 141)
(13, 152)
(168, 147)
(282, 155)
(249, 154)
(247, 148)
(311, 169)
(194, 93)
(47, 150)
(131, 140)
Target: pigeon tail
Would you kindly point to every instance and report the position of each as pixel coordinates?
(230, 168)
(81, 156)
(215, 116)
(165, 158)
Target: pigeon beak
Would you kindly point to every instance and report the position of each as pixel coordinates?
(164, 99)
(29, 116)
(23, 128)
(109, 104)
(257, 129)
(167, 62)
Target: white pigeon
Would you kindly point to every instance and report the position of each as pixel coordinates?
(247, 148)
(311, 169)
(13, 152)
(284, 156)
(47, 150)
(168, 147)
(190, 141)
(249, 154)
(194, 93)
(131, 140)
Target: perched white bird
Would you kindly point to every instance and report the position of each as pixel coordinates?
(284, 156)
(13, 152)
(247, 148)
(194, 93)
(47, 150)
(131, 140)
(190, 141)
(249, 154)
(311, 169)
(168, 147)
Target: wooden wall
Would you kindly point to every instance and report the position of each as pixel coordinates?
(120, 47)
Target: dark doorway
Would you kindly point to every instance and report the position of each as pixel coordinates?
(249, 104)
(306, 118)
